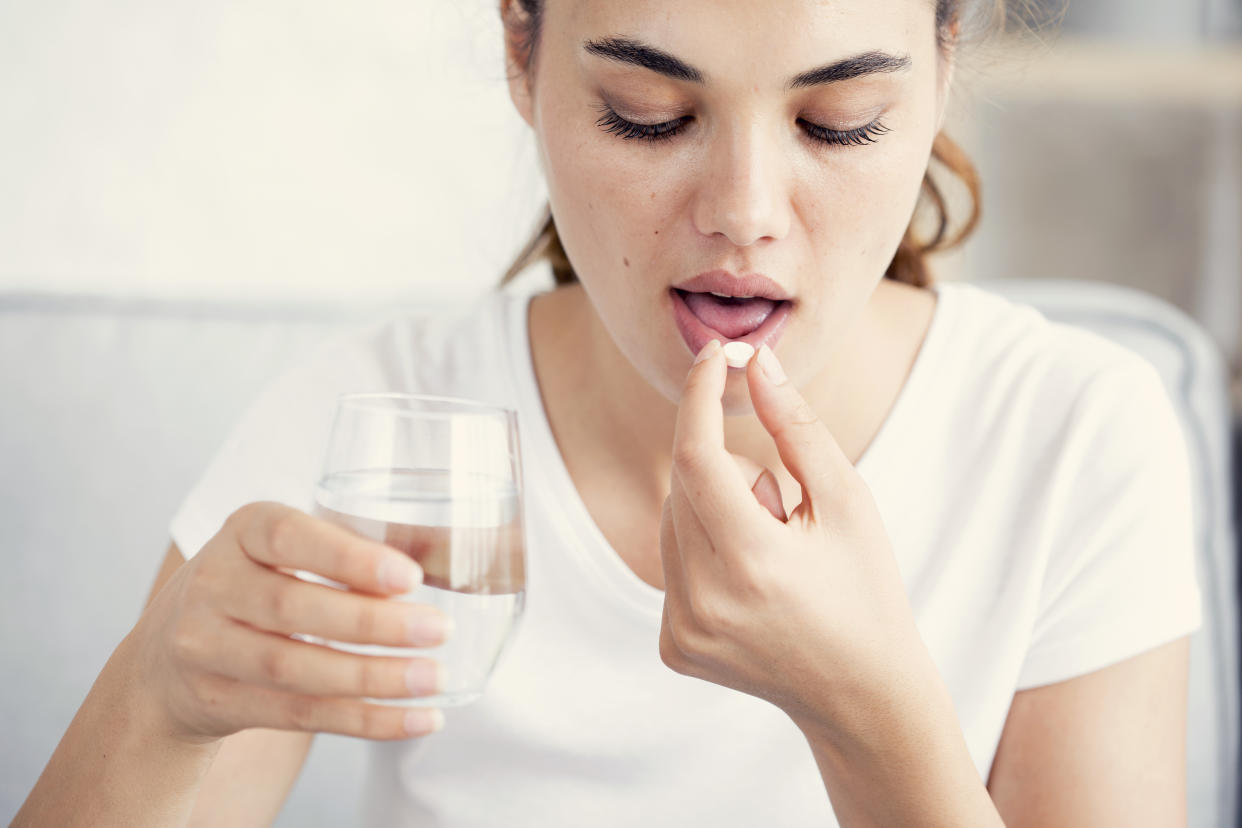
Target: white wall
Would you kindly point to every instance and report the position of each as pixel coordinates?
(283, 148)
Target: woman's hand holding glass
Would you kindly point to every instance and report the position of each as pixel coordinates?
(345, 620)
(215, 648)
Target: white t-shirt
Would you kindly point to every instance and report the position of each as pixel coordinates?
(1032, 477)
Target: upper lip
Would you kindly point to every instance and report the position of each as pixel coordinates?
(722, 281)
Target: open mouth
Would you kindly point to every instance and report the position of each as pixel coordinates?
(704, 316)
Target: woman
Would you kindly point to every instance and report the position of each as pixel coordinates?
(926, 553)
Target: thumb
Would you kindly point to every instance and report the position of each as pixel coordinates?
(806, 446)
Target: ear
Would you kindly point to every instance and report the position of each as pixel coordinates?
(514, 19)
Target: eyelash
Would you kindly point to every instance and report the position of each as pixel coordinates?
(613, 123)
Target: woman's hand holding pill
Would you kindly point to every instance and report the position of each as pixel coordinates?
(214, 651)
(807, 611)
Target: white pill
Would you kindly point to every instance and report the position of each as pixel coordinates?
(737, 354)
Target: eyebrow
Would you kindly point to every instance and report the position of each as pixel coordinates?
(637, 53)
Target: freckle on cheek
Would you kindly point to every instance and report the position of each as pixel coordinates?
(627, 261)
(657, 232)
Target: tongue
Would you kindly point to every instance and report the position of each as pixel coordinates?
(730, 318)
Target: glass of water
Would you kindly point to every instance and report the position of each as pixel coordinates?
(440, 479)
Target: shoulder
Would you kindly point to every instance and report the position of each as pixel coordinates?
(1006, 332)
(273, 448)
(449, 349)
(416, 348)
(1018, 387)
(1016, 351)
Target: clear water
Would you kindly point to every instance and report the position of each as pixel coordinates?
(466, 533)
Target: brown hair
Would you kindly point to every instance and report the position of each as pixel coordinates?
(909, 263)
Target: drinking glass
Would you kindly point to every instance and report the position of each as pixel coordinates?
(440, 479)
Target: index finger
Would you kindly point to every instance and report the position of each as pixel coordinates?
(280, 536)
(713, 482)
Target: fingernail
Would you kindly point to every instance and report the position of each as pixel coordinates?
(420, 722)
(425, 629)
(423, 679)
(770, 365)
(399, 574)
(709, 351)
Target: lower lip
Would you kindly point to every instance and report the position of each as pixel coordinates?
(696, 334)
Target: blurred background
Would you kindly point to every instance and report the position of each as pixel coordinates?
(1108, 137)
(192, 195)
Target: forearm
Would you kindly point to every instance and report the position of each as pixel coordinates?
(900, 758)
(116, 766)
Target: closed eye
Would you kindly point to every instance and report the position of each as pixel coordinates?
(613, 123)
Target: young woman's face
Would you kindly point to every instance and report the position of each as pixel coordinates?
(761, 169)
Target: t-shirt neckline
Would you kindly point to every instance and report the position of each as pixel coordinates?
(600, 561)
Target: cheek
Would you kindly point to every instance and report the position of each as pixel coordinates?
(858, 207)
(607, 218)
(608, 200)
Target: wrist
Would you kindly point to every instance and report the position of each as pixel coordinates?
(895, 755)
(143, 710)
(119, 762)
(887, 683)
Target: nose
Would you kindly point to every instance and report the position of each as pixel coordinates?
(744, 191)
